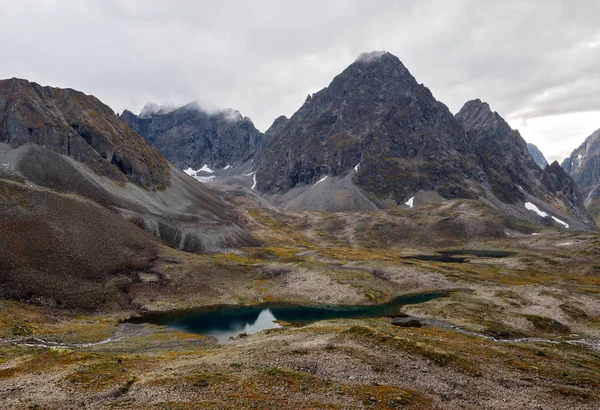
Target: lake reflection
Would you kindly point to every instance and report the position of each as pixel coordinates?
(265, 320)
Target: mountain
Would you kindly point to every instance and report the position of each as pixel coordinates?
(584, 166)
(375, 137)
(375, 120)
(537, 155)
(191, 138)
(78, 188)
(511, 171)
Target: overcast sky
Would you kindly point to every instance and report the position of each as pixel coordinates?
(535, 62)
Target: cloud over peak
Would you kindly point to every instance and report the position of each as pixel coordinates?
(532, 60)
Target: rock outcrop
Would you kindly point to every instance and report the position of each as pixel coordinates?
(383, 139)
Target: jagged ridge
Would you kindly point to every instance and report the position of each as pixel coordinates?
(191, 137)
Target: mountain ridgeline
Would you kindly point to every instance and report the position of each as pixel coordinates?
(373, 138)
(376, 125)
(71, 123)
(511, 172)
(191, 138)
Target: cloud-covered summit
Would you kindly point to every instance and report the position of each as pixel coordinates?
(367, 57)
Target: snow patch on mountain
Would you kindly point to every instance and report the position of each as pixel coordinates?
(535, 209)
(320, 180)
(566, 225)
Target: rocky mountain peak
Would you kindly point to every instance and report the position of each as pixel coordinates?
(376, 114)
(579, 158)
(476, 115)
(277, 124)
(584, 167)
(368, 57)
(374, 69)
(151, 109)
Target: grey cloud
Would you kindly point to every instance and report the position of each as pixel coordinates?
(526, 58)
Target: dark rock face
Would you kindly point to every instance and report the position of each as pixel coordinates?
(537, 155)
(79, 126)
(584, 164)
(509, 167)
(562, 186)
(190, 137)
(374, 114)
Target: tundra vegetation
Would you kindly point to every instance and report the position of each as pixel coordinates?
(519, 327)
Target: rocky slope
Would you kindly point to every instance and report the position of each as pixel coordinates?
(584, 166)
(537, 155)
(71, 123)
(76, 186)
(376, 137)
(191, 138)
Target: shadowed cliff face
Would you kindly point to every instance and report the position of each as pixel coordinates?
(79, 126)
(374, 114)
(190, 137)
